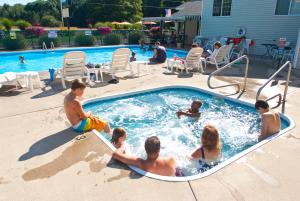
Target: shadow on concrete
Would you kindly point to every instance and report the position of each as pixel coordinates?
(87, 149)
(49, 143)
(123, 171)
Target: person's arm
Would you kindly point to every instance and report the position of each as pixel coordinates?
(264, 129)
(196, 154)
(127, 159)
(154, 53)
(189, 114)
(79, 110)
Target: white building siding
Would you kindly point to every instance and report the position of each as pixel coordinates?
(257, 16)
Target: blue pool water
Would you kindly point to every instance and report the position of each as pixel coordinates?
(153, 113)
(43, 60)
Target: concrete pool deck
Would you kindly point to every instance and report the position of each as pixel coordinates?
(44, 160)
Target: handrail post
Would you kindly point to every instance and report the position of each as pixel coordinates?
(227, 66)
(286, 87)
(246, 74)
(288, 63)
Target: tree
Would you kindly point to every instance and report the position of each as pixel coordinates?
(114, 10)
(49, 21)
(152, 8)
(78, 13)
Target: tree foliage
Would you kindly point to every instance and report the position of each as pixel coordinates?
(114, 10)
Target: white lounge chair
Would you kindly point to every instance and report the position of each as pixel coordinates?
(9, 78)
(74, 67)
(192, 61)
(120, 62)
(220, 58)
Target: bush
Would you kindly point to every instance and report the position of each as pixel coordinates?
(99, 24)
(104, 30)
(83, 40)
(112, 39)
(135, 37)
(49, 21)
(137, 26)
(48, 41)
(7, 23)
(22, 24)
(14, 44)
(35, 31)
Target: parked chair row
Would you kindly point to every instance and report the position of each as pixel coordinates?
(194, 60)
(74, 66)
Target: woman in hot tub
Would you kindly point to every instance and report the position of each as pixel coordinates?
(210, 152)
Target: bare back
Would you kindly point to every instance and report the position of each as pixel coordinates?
(270, 124)
(165, 166)
(72, 106)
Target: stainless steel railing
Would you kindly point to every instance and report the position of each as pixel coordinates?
(282, 100)
(227, 66)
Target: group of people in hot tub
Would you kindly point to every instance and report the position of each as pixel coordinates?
(208, 153)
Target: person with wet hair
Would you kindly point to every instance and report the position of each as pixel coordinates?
(118, 137)
(193, 111)
(165, 166)
(210, 150)
(270, 120)
(81, 121)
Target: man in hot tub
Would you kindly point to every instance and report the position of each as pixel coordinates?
(82, 121)
(165, 166)
(270, 120)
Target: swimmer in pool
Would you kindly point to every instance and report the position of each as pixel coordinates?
(22, 59)
(154, 163)
(118, 138)
(193, 111)
(82, 121)
(270, 120)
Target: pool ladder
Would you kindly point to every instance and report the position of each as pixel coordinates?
(282, 99)
(45, 46)
(244, 57)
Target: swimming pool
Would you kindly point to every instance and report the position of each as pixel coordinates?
(40, 60)
(152, 112)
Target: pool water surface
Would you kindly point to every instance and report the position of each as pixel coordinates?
(153, 113)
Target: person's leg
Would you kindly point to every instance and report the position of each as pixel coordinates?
(107, 128)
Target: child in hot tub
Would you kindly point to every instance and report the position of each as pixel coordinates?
(193, 111)
(118, 138)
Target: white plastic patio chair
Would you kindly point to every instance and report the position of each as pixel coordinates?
(192, 61)
(220, 58)
(9, 78)
(120, 62)
(74, 67)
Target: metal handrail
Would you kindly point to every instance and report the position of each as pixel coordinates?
(227, 66)
(281, 99)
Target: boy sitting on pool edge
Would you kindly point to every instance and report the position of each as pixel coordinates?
(270, 120)
(81, 121)
(193, 111)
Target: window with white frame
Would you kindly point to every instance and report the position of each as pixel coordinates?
(287, 7)
(222, 7)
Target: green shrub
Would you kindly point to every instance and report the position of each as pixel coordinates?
(56, 41)
(83, 40)
(49, 21)
(112, 39)
(14, 44)
(135, 37)
(99, 24)
(137, 26)
(22, 24)
(7, 23)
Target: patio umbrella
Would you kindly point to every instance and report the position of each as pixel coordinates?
(124, 23)
(149, 23)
